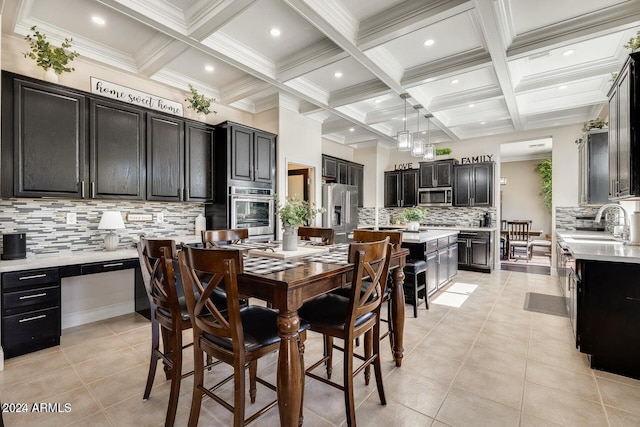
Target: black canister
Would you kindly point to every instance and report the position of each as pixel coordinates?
(14, 246)
(487, 219)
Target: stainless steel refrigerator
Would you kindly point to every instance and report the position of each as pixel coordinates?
(341, 209)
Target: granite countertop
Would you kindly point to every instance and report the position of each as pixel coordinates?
(79, 257)
(598, 246)
(459, 227)
(424, 236)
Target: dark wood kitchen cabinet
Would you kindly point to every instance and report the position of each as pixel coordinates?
(116, 147)
(43, 139)
(607, 315)
(437, 174)
(593, 168)
(356, 177)
(474, 251)
(165, 157)
(251, 154)
(344, 172)
(401, 188)
(199, 141)
(473, 184)
(624, 131)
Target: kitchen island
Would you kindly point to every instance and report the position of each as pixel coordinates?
(600, 277)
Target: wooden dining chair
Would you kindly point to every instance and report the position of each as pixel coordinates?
(518, 237)
(322, 235)
(346, 318)
(214, 238)
(504, 239)
(238, 337)
(168, 316)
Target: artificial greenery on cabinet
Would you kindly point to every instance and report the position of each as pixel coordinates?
(47, 56)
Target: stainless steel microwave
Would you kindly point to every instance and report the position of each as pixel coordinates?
(442, 196)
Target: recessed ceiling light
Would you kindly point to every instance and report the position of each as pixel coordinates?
(482, 123)
(455, 81)
(429, 42)
(472, 105)
(378, 101)
(568, 52)
(275, 32)
(563, 87)
(209, 68)
(98, 20)
(351, 129)
(337, 74)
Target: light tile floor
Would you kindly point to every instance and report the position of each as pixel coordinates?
(486, 363)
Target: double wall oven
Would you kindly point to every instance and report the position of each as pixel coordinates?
(252, 208)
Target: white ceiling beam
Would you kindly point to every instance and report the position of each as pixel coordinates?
(205, 17)
(359, 92)
(442, 68)
(454, 100)
(489, 26)
(157, 53)
(243, 88)
(318, 55)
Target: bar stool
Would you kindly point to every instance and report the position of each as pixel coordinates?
(415, 284)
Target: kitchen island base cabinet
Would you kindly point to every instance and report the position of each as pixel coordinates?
(608, 311)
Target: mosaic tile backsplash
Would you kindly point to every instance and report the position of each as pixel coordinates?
(435, 215)
(45, 222)
(574, 217)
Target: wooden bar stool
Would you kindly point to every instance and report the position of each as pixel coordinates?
(415, 284)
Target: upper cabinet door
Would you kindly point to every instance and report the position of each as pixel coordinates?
(427, 175)
(165, 158)
(483, 184)
(241, 153)
(117, 162)
(199, 156)
(329, 167)
(444, 173)
(49, 141)
(265, 157)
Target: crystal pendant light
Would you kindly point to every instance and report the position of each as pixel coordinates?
(429, 148)
(417, 148)
(404, 137)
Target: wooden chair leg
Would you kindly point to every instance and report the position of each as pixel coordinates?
(253, 373)
(153, 362)
(301, 353)
(349, 400)
(328, 342)
(368, 349)
(377, 366)
(198, 385)
(239, 393)
(176, 374)
(167, 348)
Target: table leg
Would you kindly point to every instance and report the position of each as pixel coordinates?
(397, 314)
(290, 380)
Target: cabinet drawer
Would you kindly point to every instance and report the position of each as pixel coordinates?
(22, 329)
(12, 302)
(443, 242)
(432, 246)
(29, 278)
(101, 267)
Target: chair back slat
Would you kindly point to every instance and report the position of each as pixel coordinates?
(371, 260)
(215, 238)
(163, 289)
(203, 271)
(395, 237)
(325, 235)
(519, 231)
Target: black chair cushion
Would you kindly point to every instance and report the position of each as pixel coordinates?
(330, 309)
(346, 291)
(416, 266)
(260, 329)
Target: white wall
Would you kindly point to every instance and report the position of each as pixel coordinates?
(340, 151)
(521, 195)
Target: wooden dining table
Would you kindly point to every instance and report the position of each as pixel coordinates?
(287, 290)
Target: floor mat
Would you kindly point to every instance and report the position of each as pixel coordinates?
(547, 304)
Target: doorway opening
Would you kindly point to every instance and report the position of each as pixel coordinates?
(301, 181)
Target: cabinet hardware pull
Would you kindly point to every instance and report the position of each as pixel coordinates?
(44, 294)
(186, 194)
(35, 276)
(29, 319)
(180, 194)
(93, 189)
(82, 189)
(115, 264)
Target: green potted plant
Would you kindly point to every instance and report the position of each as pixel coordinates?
(413, 216)
(443, 151)
(544, 168)
(50, 58)
(200, 103)
(634, 43)
(294, 213)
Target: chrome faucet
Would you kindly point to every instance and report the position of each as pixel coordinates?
(624, 214)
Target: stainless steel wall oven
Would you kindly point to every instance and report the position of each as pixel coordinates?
(252, 208)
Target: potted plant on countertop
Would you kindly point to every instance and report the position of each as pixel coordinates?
(413, 216)
(200, 103)
(53, 60)
(294, 213)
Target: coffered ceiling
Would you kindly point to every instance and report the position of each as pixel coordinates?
(481, 67)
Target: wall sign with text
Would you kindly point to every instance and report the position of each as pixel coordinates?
(136, 97)
(476, 159)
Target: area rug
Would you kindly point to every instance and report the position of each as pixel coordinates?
(547, 304)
